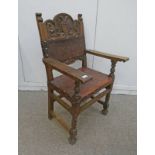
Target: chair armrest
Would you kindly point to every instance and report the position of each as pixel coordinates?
(67, 70)
(107, 55)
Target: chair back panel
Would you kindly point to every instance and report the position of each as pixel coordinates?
(62, 38)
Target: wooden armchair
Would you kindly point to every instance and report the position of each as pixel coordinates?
(63, 42)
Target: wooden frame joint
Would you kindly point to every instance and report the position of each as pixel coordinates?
(95, 99)
(61, 102)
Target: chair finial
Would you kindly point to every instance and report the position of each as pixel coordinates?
(80, 16)
(39, 17)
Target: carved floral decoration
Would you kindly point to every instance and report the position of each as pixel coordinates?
(62, 26)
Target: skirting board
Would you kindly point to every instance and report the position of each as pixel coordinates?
(117, 89)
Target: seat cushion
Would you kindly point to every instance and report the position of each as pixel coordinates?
(64, 84)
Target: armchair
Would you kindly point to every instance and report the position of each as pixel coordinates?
(63, 42)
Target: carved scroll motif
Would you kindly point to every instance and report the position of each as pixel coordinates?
(62, 26)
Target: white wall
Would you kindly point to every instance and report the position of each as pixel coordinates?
(116, 34)
(110, 26)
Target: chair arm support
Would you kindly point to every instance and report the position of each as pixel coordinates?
(75, 74)
(107, 55)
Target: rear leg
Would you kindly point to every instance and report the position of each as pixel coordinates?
(50, 103)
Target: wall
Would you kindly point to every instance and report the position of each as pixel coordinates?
(116, 34)
(109, 26)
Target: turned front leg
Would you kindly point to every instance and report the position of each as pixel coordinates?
(106, 104)
(75, 112)
(107, 98)
(73, 130)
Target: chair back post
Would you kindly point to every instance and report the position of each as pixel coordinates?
(43, 34)
(49, 73)
(84, 59)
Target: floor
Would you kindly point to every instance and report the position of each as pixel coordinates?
(114, 134)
